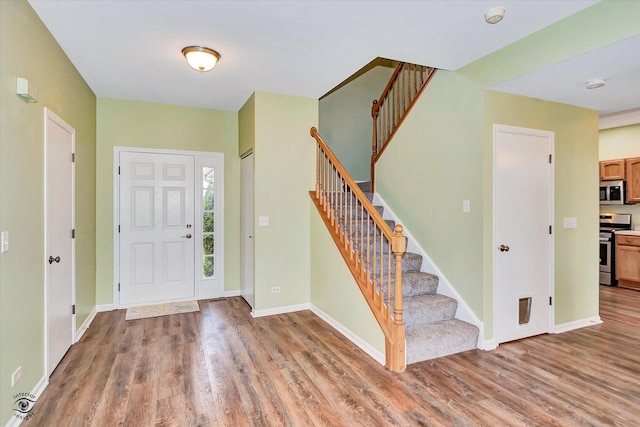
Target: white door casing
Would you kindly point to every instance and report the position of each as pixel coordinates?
(247, 230)
(59, 244)
(156, 227)
(523, 244)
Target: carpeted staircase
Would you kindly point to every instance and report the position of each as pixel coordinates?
(431, 327)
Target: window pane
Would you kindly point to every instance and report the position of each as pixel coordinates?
(207, 266)
(207, 222)
(208, 176)
(207, 244)
(208, 199)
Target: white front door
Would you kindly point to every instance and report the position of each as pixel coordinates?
(156, 227)
(59, 254)
(523, 243)
(247, 217)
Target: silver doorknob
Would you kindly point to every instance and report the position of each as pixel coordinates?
(52, 259)
(188, 236)
(504, 248)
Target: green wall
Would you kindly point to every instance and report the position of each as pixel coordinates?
(575, 179)
(433, 163)
(621, 143)
(149, 125)
(28, 50)
(284, 173)
(333, 289)
(247, 126)
(346, 123)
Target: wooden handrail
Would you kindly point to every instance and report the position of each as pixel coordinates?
(405, 86)
(372, 251)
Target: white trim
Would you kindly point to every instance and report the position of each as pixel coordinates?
(619, 119)
(280, 310)
(85, 325)
(488, 345)
(210, 287)
(198, 157)
(551, 136)
(362, 345)
(230, 294)
(37, 391)
(463, 312)
(577, 324)
(51, 116)
(105, 307)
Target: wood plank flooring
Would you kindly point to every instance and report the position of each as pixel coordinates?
(221, 367)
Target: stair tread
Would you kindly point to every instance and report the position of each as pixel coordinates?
(439, 339)
(428, 308)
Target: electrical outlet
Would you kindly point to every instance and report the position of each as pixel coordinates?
(5, 241)
(275, 290)
(15, 377)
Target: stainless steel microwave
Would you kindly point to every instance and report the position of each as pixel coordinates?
(611, 192)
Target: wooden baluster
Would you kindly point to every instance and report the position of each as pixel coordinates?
(399, 247)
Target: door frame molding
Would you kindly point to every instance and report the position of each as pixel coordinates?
(201, 159)
(494, 241)
(51, 116)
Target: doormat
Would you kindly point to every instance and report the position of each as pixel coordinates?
(161, 309)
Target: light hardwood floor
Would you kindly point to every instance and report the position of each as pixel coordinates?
(222, 367)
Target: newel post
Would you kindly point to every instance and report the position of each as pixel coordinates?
(399, 247)
(313, 131)
(375, 111)
(395, 344)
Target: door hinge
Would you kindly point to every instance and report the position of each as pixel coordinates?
(550, 229)
(118, 287)
(73, 157)
(73, 309)
(118, 228)
(550, 158)
(73, 233)
(118, 170)
(550, 300)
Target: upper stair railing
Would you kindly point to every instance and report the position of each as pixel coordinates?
(388, 112)
(372, 251)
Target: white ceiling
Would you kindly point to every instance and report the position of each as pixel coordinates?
(132, 49)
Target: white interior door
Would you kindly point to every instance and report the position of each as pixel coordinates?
(523, 243)
(156, 227)
(59, 253)
(247, 220)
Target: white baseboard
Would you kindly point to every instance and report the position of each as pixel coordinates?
(577, 324)
(363, 345)
(488, 345)
(280, 310)
(85, 325)
(14, 421)
(230, 294)
(105, 307)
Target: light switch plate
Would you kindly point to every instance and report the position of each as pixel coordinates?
(466, 206)
(5, 241)
(263, 221)
(570, 222)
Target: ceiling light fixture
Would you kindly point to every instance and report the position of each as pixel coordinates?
(494, 15)
(201, 58)
(595, 83)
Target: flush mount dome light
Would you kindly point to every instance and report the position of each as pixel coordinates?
(595, 83)
(201, 58)
(494, 15)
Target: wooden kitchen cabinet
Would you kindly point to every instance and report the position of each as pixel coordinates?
(628, 261)
(632, 167)
(612, 170)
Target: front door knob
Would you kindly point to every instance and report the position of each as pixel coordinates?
(504, 248)
(52, 259)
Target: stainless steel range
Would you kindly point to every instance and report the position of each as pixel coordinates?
(609, 223)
